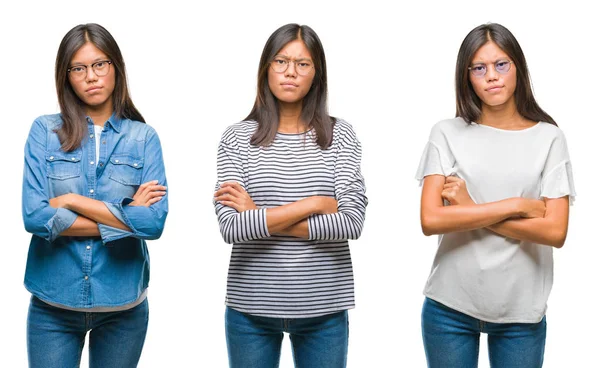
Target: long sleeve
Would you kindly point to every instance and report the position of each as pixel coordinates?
(145, 222)
(350, 189)
(39, 217)
(236, 227)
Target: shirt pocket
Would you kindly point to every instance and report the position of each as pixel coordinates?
(63, 165)
(126, 169)
(63, 170)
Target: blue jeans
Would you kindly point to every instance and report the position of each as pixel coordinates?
(55, 336)
(255, 342)
(451, 340)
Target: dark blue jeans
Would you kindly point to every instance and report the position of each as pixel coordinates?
(55, 336)
(451, 340)
(255, 342)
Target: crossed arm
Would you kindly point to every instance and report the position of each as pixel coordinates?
(539, 221)
(92, 212)
(289, 219)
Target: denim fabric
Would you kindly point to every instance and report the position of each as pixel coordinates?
(55, 336)
(86, 272)
(317, 342)
(451, 340)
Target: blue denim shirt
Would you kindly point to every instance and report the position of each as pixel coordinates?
(86, 272)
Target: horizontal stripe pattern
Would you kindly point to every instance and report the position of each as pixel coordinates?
(280, 276)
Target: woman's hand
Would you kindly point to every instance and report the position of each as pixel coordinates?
(455, 191)
(231, 194)
(326, 205)
(60, 201)
(532, 208)
(148, 194)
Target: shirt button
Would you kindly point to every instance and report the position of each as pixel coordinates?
(85, 277)
(51, 157)
(117, 161)
(72, 158)
(91, 191)
(91, 136)
(91, 162)
(101, 164)
(103, 142)
(135, 165)
(88, 247)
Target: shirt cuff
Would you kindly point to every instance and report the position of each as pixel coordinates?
(61, 221)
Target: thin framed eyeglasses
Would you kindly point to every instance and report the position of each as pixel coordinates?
(281, 64)
(100, 68)
(479, 70)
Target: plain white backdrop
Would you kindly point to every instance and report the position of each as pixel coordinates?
(192, 72)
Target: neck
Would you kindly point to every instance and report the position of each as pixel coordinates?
(504, 116)
(290, 118)
(101, 113)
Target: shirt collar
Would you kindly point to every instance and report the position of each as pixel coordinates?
(114, 121)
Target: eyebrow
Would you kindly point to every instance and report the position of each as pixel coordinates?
(289, 58)
(94, 61)
(494, 62)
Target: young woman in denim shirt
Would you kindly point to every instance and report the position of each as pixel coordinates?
(497, 184)
(289, 196)
(94, 189)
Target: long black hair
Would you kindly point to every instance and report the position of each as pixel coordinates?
(468, 104)
(74, 129)
(314, 105)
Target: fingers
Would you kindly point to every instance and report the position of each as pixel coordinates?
(453, 179)
(231, 204)
(230, 189)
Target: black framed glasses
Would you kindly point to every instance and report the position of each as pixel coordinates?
(281, 64)
(100, 68)
(502, 66)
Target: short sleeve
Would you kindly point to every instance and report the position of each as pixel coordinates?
(437, 158)
(557, 176)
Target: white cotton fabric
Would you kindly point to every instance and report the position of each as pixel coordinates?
(97, 134)
(478, 272)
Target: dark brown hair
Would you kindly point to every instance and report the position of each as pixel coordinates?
(314, 105)
(468, 104)
(73, 129)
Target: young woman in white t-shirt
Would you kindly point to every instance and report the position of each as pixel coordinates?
(497, 184)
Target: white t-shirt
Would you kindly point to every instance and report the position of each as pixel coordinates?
(480, 273)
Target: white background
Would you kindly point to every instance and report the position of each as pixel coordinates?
(192, 72)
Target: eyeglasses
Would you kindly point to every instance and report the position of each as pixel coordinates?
(280, 65)
(100, 68)
(501, 66)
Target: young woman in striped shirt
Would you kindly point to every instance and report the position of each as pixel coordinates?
(289, 196)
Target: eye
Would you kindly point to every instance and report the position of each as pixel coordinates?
(77, 69)
(280, 62)
(478, 68)
(304, 65)
(100, 64)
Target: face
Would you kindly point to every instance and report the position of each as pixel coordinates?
(494, 88)
(94, 91)
(289, 86)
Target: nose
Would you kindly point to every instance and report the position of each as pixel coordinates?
(90, 75)
(491, 74)
(291, 69)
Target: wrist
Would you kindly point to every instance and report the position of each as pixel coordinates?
(68, 201)
(518, 206)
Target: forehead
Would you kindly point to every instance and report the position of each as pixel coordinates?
(295, 49)
(87, 54)
(489, 52)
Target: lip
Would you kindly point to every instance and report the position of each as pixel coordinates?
(289, 84)
(93, 89)
(494, 88)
